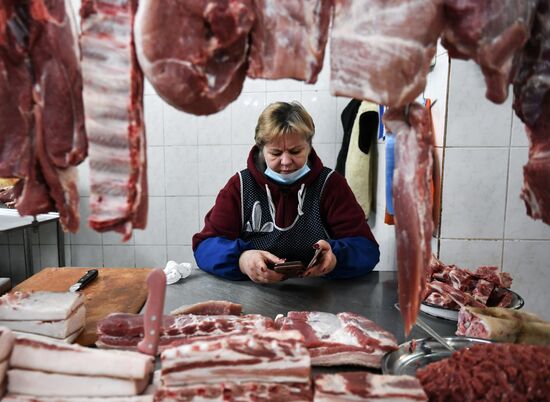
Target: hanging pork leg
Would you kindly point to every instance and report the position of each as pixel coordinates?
(412, 203)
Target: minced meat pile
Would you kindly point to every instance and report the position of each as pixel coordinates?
(490, 372)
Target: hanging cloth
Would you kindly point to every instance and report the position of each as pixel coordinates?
(390, 167)
(348, 118)
(361, 160)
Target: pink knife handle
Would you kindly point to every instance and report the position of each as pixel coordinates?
(152, 319)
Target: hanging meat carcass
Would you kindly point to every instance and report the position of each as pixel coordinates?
(194, 52)
(532, 105)
(288, 39)
(43, 136)
(113, 97)
(412, 203)
(491, 33)
(382, 50)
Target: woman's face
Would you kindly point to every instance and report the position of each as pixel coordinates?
(287, 153)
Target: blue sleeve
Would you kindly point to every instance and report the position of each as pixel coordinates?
(355, 256)
(220, 256)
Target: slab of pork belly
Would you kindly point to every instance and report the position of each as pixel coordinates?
(53, 328)
(57, 357)
(39, 305)
(274, 356)
(34, 398)
(41, 383)
(364, 386)
(6, 342)
(254, 391)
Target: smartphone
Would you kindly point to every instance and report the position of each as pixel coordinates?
(316, 258)
(289, 268)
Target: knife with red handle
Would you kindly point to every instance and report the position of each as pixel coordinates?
(154, 309)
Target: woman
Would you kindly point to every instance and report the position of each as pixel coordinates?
(283, 207)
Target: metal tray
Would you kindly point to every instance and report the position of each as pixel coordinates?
(428, 350)
(452, 315)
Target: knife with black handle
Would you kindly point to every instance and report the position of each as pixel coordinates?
(84, 280)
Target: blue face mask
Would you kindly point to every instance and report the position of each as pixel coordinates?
(289, 178)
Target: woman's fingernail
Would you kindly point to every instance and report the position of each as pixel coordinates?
(262, 269)
(316, 246)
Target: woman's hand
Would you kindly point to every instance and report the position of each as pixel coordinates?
(254, 264)
(326, 262)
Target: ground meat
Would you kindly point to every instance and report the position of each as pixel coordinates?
(493, 372)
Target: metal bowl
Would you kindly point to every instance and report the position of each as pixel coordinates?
(406, 361)
(452, 314)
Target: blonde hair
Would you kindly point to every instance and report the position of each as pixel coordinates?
(282, 118)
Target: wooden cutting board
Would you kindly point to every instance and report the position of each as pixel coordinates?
(115, 290)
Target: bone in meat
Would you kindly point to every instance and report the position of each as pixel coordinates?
(412, 203)
(288, 39)
(113, 97)
(378, 52)
(237, 392)
(201, 65)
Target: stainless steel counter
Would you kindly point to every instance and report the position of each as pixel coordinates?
(372, 296)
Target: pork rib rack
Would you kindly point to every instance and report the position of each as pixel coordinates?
(113, 97)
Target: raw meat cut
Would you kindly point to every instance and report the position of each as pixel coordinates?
(288, 39)
(52, 328)
(113, 98)
(489, 372)
(34, 398)
(42, 135)
(60, 138)
(442, 300)
(364, 386)
(492, 33)
(503, 325)
(53, 384)
(532, 105)
(56, 357)
(269, 356)
(459, 297)
(381, 50)
(39, 305)
(125, 331)
(193, 52)
(493, 275)
(6, 346)
(412, 203)
(210, 307)
(344, 338)
(16, 121)
(236, 392)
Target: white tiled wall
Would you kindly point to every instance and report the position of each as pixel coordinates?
(483, 219)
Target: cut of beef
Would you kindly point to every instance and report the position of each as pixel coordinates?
(490, 372)
(493, 275)
(492, 33)
(269, 356)
(194, 52)
(210, 307)
(289, 39)
(113, 97)
(364, 386)
(381, 50)
(459, 297)
(344, 338)
(125, 331)
(412, 203)
(236, 392)
(532, 105)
